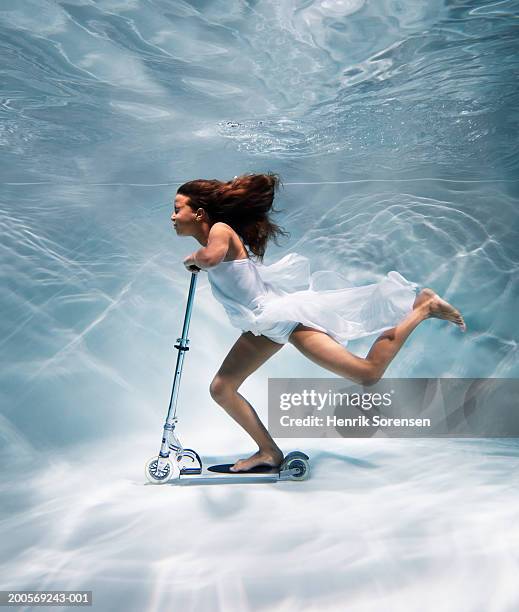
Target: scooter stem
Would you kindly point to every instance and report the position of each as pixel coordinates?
(182, 346)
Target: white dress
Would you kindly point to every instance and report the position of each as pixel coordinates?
(270, 300)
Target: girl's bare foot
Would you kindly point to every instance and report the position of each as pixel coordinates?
(424, 296)
(272, 458)
(439, 309)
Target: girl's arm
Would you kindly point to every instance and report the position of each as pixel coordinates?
(217, 246)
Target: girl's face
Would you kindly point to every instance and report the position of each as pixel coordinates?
(183, 216)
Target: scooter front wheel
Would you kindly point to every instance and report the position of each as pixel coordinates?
(160, 477)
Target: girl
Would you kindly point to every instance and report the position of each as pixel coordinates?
(283, 302)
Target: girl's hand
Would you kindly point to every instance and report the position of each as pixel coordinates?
(189, 263)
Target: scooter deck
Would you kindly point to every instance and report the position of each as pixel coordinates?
(213, 477)
(260, 473)
(224, 468)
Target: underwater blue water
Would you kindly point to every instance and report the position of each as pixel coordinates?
(394, 127)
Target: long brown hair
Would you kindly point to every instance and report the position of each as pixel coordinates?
(244, 203)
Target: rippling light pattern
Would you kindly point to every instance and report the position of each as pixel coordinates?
(394, 126)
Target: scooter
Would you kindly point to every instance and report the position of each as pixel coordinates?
(181, 465)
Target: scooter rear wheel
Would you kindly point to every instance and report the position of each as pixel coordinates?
(302, 467)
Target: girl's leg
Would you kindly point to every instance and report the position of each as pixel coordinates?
(329, 354)
(245, 357)
(250, 352)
